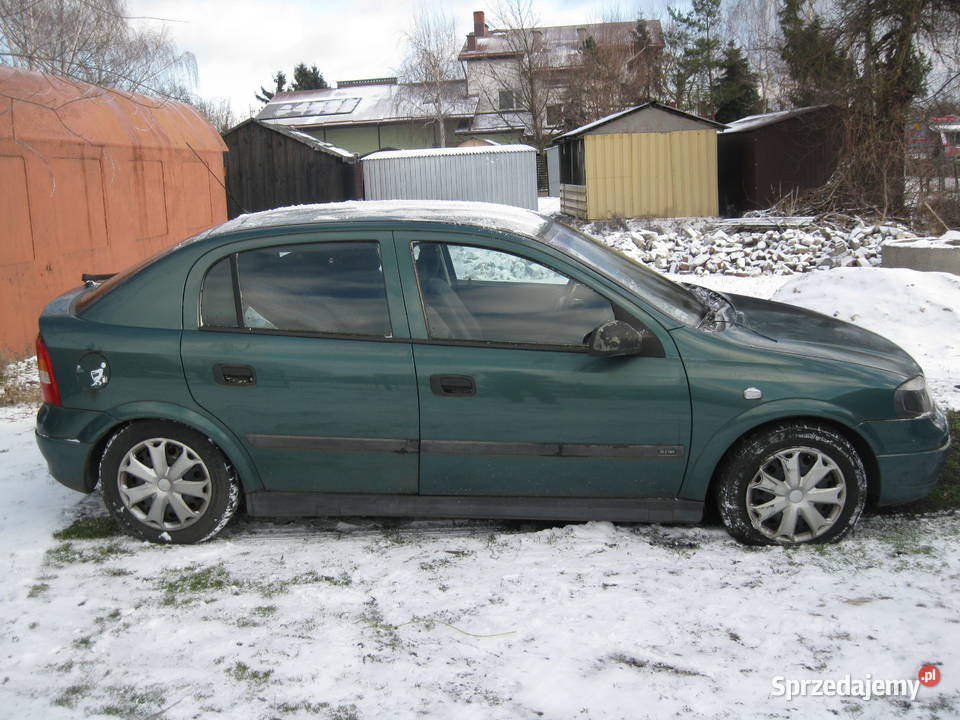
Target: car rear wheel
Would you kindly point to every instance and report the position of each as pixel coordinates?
(165, 482)
(792, 484)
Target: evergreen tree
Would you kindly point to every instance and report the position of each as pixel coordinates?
(735, 92)
(280, 84)
(696, 41)
(307, 78)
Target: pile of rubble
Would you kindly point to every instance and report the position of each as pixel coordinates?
(763, 247)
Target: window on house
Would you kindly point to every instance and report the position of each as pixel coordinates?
(508, 100)
(554, 115)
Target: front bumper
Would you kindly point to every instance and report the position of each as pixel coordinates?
(909, 476)
(66, 437)
(910, 454)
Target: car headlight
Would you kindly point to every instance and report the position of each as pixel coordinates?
(912, 399)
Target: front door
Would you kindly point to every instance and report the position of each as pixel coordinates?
(511, 403)
(309, 362)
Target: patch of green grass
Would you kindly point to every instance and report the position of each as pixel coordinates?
(134, 703)
(38, 590)
(83, 643)
(343, 712)
(305, 706)
(196, 580)
(68, 554)
(69, 697)
(242, 672)
(89, 528)
(311, 577)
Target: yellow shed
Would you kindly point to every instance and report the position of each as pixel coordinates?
(650, 160)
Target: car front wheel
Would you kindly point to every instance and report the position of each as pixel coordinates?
(165, 482)
(792, 484)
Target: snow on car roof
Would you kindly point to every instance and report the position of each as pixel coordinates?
(487, 215)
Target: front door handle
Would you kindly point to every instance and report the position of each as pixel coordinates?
(236, 375)
(453, 385)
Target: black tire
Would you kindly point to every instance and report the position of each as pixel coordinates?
(749, 501)
(209, 491)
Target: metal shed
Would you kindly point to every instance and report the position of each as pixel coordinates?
(272, 165)
(649, 160)
(764, 158)
(93, 180)
(505, 174)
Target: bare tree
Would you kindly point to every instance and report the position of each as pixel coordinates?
(430, 70)
(93, 41)
(755, 26)
(517, 85)
(216, 111)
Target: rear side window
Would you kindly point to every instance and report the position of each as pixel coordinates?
(335, 288)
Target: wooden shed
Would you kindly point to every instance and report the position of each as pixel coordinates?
(649, 160)
(764, 158)
(92, 180)
(272, 165)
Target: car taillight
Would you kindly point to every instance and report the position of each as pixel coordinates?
(48, 382)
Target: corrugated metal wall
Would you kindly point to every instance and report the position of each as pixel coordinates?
(495, 175)
(656, 174)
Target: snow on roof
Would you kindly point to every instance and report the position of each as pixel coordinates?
(583, 129)
(441, 152)
(487, 215)
(752, 122)
(302, 137)
(497, 122)
(563, 42)
(361, 104)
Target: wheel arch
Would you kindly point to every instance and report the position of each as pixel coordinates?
(222, 438)
(703, 474)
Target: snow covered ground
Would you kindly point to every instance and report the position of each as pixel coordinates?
(369, 619)
(469, 620)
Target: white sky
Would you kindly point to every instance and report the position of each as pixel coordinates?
(240, 44)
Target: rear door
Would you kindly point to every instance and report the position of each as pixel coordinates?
(299, 345)
(511, 403)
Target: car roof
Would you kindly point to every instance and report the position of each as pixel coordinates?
(474, 214)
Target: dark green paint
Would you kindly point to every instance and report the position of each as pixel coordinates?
(161, 366)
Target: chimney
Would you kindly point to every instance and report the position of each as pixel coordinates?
(471, 42)
(479, 26)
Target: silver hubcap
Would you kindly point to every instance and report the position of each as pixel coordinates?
(796, 495)
(164, 484)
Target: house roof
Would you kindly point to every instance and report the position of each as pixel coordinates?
(562, 42)
(584, 129)
(301, 137)
(752, 122)
(363, 104)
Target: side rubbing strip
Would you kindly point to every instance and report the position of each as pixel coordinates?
(463, 447)
(582, 450)
(334, 444)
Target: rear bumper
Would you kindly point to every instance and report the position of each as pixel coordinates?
(906, 477)
(66, 438)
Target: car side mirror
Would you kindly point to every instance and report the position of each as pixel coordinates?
(613, 339)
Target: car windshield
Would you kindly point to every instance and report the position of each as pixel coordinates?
(667, 296)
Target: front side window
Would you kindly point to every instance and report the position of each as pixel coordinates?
(507, 100)
(479, 294)
(335, 288)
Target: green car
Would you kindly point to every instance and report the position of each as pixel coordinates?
(465, 360)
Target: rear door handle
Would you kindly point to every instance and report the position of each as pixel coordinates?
(453, 385)
(237, 375)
